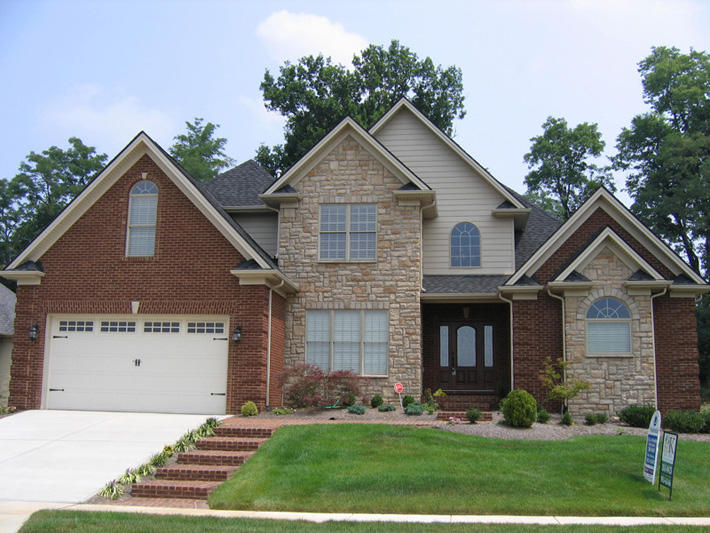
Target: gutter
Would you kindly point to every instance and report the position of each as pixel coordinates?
(564, 333)
(653, 339)
(510, 305)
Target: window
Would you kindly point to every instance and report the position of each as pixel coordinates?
(608, 327)
(465, 245)
(142, 211)
(348, 340)
(205, 327)
(118, 326)
(161, 327)
(348, 232)
(76, 325)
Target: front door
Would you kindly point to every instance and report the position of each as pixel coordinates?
(467, 357)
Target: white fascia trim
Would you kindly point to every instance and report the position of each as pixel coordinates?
(619, 213)
(23, 277)
(140, 146)
(269, 277)
(519, 289)
(458, 297)
(403, 102)
(311, 158)
(247, 209)
(618, 246)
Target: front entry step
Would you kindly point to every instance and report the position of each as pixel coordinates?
(214, 457)
(486, 416)
(235, 444)
(196, 472)
(171, 488)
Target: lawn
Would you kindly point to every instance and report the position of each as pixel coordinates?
(85, 522)
(391, 469)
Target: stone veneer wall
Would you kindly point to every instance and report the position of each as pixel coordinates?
(615, 381)
(349, 174)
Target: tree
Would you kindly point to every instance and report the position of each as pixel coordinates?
(563, 176)
(315, 94)
(199, 152)
(46, 182)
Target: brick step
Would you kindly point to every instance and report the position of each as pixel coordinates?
(213, 457)
(486, 416)
(170, 488)
(236, 431)
(235, 444)
(196, 472)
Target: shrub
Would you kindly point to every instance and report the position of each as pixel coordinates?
(376, 401)
(706, 427)
(552, 377)
(386, 407)
(519, 409)
(589, 419)
(343, 386)
(356, 409)
(348, 399)
(408, 399)
(249, 409)
(159, 459)
(281, 411)
(430, 409)
(638, 416)
(430, 401)
(304, 386)
(567, 419)
(415, 409)
(112, 490)
(473, 415)
(684, 421)
(543, 417)
(601, 418)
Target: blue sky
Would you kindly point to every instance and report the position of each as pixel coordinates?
(104, 70)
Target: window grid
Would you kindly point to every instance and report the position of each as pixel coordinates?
(465, 245)
(161, 327)
(76, 325)
(348, 232)
(118, 326)
(205, 327)
(608, 327)
(142, 217)
(348, 340)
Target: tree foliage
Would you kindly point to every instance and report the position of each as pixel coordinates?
(45, 183)
(315, 94)
(199, 151)
(564, 175)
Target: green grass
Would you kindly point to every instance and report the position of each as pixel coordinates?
(390, 469)
(83, 522)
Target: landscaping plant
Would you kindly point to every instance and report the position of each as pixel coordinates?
(638, 416)
(309, 386)
(356, 409)
(281, 411)
(519, 409)
(558, 387)
(473, 415)
(249, 409)
(407, 400)
(386, 407)
(415, 408)
(567, 419)
(684, 421)
(376, 401)
(543, 417)
(112, 490)
(595, 418)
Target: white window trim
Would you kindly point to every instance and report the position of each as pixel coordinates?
(331, 340)
(347, 232)
(480, 247)
(129, 226)
(588, 321)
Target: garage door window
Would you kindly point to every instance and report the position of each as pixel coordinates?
(76, 325)
(205, 327)
(118, 326)
(161, 327)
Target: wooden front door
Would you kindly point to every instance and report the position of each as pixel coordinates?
(467, 357)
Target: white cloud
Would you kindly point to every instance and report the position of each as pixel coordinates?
(108, 119)
(294, 35)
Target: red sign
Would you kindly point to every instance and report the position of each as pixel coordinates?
(398, 388)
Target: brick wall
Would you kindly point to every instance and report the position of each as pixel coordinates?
(87, 272)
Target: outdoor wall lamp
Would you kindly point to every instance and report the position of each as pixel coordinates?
(237, 335)
(34, 330)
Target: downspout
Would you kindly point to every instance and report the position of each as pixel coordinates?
(268, 346)
(421, 251)
(564, 337)
(653, 338)
(510, 306)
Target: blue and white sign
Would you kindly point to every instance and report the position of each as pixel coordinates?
(652, 442)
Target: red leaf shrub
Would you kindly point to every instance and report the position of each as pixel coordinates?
(309, 386)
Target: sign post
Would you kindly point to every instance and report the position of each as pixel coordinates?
(398, 389)
(652, 441)
(665, 476)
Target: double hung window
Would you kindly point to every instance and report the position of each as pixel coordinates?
(348, 232)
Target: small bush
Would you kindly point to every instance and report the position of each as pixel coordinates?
(543, 417)
(376, 401)
(414, 409)
(684, 421)
(249, 409)
(706, 427)
(430, 409)
(356, 409)
(281, 411)
(589, 419)
(168, 450)
(601, 418)
(348, 399)
(112, 491)
(473, 415)
(159, 459)
(638, 416)
(519, 409)
(386, 407)
(408, 399)
(567, 419)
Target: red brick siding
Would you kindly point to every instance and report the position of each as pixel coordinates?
(87, 272)
(278, 332)
(677, 368)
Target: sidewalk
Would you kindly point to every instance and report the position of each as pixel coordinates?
(14, 514)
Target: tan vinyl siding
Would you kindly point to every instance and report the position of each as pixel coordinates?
(263, 227)
(462, 196)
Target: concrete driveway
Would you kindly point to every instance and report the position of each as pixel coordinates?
(67, 456)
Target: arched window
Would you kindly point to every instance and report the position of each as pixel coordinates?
(608, 327)
(142, 211)
(465, 245)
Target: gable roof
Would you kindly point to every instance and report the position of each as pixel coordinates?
(347, 126)
(603, 199)
(241, 185)
(141, 145)
(7, 311)
(404, 103)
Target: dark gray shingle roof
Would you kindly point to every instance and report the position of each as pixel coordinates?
(463, 283)
(640, 275)
(576, 276)
(7, 310)
(241, 186)
(540, 227)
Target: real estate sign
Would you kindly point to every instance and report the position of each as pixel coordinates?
(652, 441)
(665, 476)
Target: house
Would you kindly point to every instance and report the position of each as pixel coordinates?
(7, 318)
(390, 252)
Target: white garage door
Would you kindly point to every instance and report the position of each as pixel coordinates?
(163, 364)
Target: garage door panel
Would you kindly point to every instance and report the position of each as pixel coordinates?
(139, 367)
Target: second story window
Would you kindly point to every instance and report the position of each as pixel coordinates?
(465, 245)
(142, 214)
(348, 232)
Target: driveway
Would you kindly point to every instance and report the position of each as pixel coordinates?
(68, 456)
